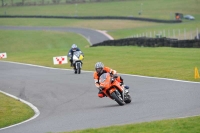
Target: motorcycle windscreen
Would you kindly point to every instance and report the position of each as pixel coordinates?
(105, 80)
(75, 58)
(78, 56)
(103, 77)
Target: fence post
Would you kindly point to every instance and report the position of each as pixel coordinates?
(163, 33)
(168, 33)
(184, 34)
(174, 33)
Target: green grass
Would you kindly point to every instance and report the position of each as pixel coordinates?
(13, 111)
(187, 125)
(161, 9)
(39, 47)
(116, 28)
(150, 9)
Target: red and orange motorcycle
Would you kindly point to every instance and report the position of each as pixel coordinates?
(112, 89)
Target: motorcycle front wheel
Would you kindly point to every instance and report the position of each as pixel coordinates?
(128, 99)
(117, 98)
(79, 68)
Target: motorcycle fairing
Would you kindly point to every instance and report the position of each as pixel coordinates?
(111, 86)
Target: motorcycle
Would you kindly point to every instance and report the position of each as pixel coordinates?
(77, 61)
(112, 89)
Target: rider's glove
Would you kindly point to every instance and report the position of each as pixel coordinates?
(100, 88)
(115, 76)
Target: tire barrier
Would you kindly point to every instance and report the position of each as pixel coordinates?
(151, 42)
(93, 17)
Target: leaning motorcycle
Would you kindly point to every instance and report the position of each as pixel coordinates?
(112, 89)
(77, 61)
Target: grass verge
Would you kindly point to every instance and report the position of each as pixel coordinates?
(13, 111)
(186, 125)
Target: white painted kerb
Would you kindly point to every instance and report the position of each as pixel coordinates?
(37, 112)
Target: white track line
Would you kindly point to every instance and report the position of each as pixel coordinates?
(163, 78)
(92, 71)
(37, 112)
(105, 33)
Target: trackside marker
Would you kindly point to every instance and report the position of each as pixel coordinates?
(59, 60)
(196, 73)
(3, 55)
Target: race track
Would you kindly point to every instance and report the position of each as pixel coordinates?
(69, 102)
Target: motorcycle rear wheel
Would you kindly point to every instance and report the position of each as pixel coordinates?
(117, 98)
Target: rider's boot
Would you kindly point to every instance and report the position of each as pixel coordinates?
(75, 71)
(125, 86)
(100, 94)
(71, 62)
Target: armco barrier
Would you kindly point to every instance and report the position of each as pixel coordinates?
(93, 17)
(151, 42)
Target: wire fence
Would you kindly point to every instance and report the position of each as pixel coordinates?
(180, 34)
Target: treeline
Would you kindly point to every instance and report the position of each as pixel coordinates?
(48, 2)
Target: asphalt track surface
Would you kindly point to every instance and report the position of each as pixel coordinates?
(69, 101)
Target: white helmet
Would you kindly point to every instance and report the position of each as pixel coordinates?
(74, 46)
(99, 67)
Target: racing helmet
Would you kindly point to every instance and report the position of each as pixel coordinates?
(99, 67)
(74, 47)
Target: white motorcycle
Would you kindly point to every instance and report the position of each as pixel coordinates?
(77, 61)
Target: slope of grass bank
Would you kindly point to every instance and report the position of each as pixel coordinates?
(116, 28)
